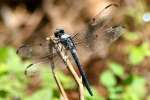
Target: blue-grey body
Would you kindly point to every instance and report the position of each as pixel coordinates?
(68, 43)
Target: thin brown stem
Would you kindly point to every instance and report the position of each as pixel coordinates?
(59, 85)
(70, 67)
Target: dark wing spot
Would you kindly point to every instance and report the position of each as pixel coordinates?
(96, 36)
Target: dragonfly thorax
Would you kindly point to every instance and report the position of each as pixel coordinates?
(65, 40)
(63, 37)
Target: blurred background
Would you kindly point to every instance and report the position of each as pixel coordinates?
(124, 74)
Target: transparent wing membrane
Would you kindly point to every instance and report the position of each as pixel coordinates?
(98, 35)
(34, 50)
(35, 68)
(105, 15)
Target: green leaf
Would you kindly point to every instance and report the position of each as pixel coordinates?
(116, 68)
(128, 80)
(136, 90)
(3, 94)
(13, 87)
(138, 53)
(114, 96)
(108, 79)
(139, 85)
(3, 68)
(136, 56)
(116, 89)
(115, 92)
(14, 62)
(3, 54)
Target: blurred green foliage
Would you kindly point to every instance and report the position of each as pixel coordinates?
(136, 53)
(14, 84)
(119, 84)
(96, 95)
(122, 86)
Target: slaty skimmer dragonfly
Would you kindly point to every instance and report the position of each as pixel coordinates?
(98, 34)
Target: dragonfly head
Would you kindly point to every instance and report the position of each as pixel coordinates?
(59, 32)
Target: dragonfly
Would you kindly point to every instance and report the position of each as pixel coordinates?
(98, 34)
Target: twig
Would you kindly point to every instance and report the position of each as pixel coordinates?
(70, 67)
(59, 85)
(77, 79)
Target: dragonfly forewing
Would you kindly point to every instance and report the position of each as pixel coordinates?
(104, 16)
(34, 51)
(100, 33)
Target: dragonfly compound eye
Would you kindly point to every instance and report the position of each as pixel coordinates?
(59, 32)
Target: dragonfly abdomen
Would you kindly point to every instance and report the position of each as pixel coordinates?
(83, 74)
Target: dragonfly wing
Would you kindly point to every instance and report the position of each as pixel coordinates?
(34, 50)
(25, 51)
(103, 39)
(35, 67)
(103, 17)
(100, 23)
(99, 34)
